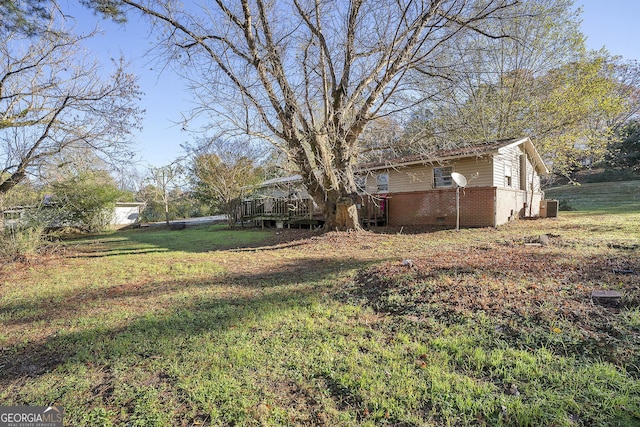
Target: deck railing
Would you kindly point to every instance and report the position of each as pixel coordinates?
(372, 209)
(280, 208)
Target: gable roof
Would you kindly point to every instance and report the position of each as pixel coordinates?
(279, 180)
(439, 156)
(475, 150)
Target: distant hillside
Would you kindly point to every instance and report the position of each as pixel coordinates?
(621, 196)
(589, 176)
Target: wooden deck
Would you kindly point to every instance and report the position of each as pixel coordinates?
(372, 211)
(284, 211)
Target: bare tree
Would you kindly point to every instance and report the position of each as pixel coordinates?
(541, 82)
(165, 184)
(221, 174)
(52, 102)
(627, 75)
(309, 75)
(484, 95)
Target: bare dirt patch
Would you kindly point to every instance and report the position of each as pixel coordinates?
(532, 297)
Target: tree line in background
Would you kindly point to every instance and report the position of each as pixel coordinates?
(210, 181)
(314, 91)
(311, 77)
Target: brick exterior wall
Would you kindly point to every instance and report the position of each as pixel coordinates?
(438, 207)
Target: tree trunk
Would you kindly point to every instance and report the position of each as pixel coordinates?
(12, 181)
(231, 219)
(341, 215)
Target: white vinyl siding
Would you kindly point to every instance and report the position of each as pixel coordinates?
(374, 182)
(509, 159)
(476, 170)
(410, 178)
(487, 171)
(420, 177)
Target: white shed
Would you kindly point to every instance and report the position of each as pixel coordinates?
(126, 213)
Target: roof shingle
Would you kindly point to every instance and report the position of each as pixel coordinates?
(481, 149)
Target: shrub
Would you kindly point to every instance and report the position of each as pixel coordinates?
(564, 205)
(19, 243)
(613, 175)
(85, 201)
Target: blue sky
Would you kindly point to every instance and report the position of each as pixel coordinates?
(611, 23)
(165, 95)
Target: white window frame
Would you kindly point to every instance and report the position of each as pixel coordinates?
(441, 180)
(508, 176)
(382, 182)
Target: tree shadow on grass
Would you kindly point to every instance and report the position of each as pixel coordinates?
(119, 252)
(196, 239)
(38, 358)
(244, 295)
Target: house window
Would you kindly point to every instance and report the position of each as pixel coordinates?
(382, 182)
(442, 177)
(507, 176)
(361, 184)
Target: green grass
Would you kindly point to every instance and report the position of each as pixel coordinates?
(613, 197)
(163, 328)
(161, 239)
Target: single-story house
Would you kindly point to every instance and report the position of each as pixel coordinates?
(503, 184)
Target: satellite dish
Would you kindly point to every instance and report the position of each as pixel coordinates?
(459, 179)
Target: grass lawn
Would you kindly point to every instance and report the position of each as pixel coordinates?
(613, 197)
(211, 327)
